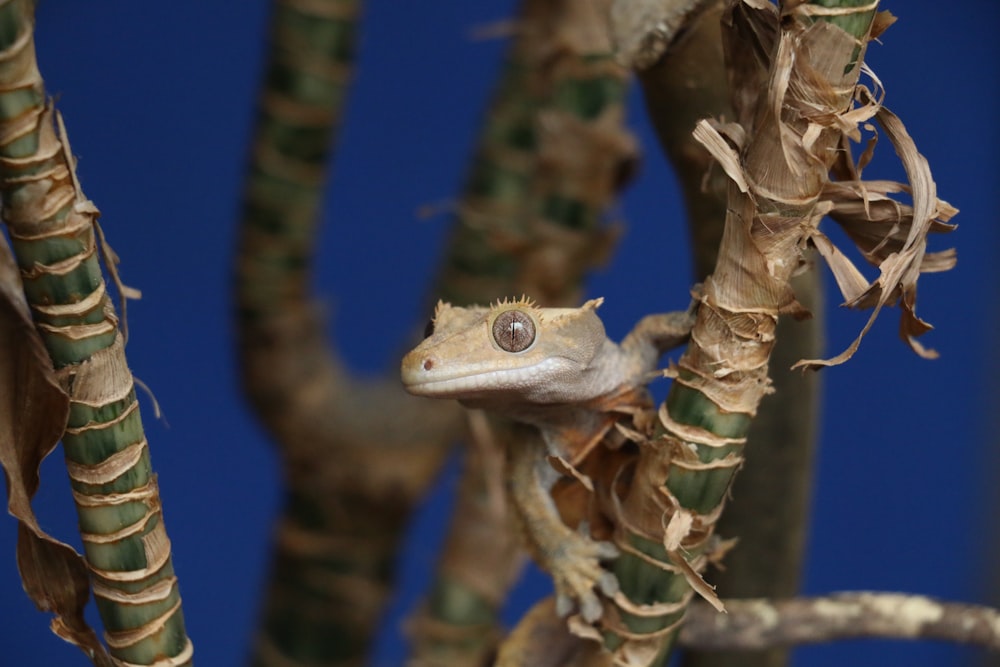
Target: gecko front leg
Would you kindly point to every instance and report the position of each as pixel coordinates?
(572, 558)
(656, 334)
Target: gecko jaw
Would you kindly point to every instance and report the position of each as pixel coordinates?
(418, 380)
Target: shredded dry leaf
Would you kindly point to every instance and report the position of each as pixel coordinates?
(890, 234)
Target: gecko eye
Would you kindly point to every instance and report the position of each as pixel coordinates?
(429, 329)
(513, 331)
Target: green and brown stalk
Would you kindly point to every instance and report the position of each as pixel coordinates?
(357, 455)
(553, 155)
(794, 87)
(58, 248)
(688, 83)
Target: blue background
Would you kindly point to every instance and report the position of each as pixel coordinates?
(158, 101)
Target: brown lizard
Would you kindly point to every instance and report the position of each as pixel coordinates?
(554, 372)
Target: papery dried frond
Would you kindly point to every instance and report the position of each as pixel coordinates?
(891, 235)
(880, 225)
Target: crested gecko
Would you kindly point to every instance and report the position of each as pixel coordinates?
(554, 372)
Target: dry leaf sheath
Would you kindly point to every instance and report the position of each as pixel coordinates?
(34, 412)
(57, 246)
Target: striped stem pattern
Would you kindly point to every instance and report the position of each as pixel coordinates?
(58, 248)
(352, 475)
(681, 480)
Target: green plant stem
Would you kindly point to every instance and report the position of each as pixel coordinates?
(723, 376)
(352, 476)
(53, 234)
(772, 492)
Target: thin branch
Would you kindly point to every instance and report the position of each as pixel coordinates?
(760, 623)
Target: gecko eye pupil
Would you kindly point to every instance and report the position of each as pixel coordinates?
(513, 331)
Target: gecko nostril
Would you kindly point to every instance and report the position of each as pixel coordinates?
(428, 364)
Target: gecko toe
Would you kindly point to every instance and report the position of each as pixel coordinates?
(590, 608)
(605, 550)
(608, 584)
(564, 605)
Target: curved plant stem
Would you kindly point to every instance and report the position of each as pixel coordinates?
(553, 155)
(357, 455)
(57, 246)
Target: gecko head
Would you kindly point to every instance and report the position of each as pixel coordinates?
(512, 353)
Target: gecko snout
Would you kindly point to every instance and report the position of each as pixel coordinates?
(415, 368)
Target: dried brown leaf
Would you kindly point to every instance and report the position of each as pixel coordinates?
(33, 412)
(750, 32)
(850, 280)
(882, 21)
(891, 235)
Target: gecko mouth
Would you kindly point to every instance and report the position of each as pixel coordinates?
(427, 379)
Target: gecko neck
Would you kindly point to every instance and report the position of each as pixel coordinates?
(561, 425)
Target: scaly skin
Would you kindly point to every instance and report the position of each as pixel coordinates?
(554, 371)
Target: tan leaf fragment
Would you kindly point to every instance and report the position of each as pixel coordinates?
(675, 532)
(676, 529)
(707, 135)
(696, 581)
(891, 235)
(33, 413)
(564, 467)
(852, 283)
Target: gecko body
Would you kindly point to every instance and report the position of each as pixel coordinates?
(555, 372)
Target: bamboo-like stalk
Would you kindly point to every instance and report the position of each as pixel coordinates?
(682, 479)
(552, 156)
(305, 85)
(772, 492)
(57, 245)
(357, 455)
